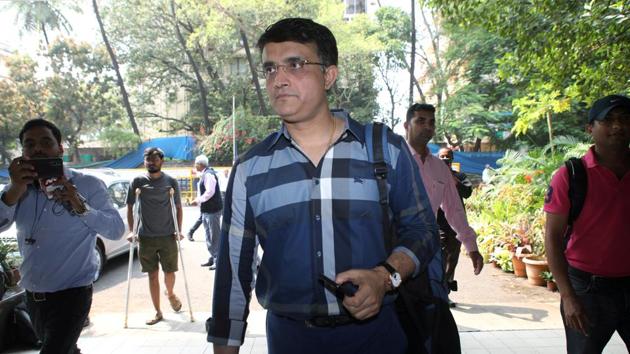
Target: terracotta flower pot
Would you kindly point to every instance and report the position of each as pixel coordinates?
(519, 266)
(534, 266)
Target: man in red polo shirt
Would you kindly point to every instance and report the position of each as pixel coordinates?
(593, 272)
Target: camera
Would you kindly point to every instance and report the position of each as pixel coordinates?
(46, 168)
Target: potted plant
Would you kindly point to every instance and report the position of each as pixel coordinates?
(10, 260)
(535, 266)
(551, 283)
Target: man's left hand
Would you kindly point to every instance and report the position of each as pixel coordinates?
(194, 203)
(369, 297)
(68, 194)
(181, 236)
(477, 261)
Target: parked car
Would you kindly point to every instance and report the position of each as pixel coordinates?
(117, 186)
(105, 249)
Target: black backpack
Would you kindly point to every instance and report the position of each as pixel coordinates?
(578, 185)
(424, 315)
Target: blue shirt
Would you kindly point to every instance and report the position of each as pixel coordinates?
(311, 220)
(62, 254)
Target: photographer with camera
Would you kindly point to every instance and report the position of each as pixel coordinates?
(58, 213)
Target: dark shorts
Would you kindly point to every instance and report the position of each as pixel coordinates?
(158, 250)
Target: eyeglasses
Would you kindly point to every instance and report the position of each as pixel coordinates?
(294, 66)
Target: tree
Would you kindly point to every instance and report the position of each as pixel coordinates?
(21, 98)
(119, 78)
(81, 92)
(576, 49)
(43, 15)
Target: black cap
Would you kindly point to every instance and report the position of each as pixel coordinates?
(153, 151)
(602, 106)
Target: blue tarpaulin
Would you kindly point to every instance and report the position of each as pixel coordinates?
(177, 148)
(472, 162)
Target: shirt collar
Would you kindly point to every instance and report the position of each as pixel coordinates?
(350, 125)
(590, 159)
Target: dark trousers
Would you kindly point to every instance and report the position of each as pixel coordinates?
(607, 305)
(382, 334)
(58, 318)
(195, 226)
(451, 248)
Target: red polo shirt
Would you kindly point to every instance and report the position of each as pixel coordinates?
(600, 242)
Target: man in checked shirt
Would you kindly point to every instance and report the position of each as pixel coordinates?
(307, 194)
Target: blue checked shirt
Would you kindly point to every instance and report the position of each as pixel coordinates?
(311, 220)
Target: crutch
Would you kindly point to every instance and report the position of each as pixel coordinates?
(179, 248)
(136, 224)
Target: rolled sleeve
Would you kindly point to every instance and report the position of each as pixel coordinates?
(235, 272)
(456, 216)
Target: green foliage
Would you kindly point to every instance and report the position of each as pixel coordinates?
(118, 140)
(20, 100)
(478, 104)
(562, 51)
(9, 255)
(504, 259)
(82, 94)
(547, 276)
(508, 212)
(251, 129)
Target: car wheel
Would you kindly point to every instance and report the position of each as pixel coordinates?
(100, 260)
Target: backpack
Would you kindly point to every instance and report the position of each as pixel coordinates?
(421, 304)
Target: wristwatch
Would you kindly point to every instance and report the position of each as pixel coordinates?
(394, 277)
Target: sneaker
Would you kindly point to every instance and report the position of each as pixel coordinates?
(212, 267)
(209, 263)
(158, 317)
(190, 237)
(451, 304)
(175, 303)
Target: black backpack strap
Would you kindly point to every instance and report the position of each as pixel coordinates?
(380, 172)
(578, 184)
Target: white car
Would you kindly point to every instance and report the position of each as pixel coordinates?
(117, 187)
(105, 249)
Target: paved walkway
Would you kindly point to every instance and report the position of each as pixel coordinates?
(496, 313)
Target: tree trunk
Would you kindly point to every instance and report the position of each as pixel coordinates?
(252, 67)
(45, 34)
(203, 95)
(119, 78)
(412, 64)
(477, 147)
(550, 129)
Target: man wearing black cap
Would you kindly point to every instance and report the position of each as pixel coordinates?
(593, 271)
(157, 233)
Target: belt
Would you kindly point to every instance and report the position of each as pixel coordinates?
(600, 280)
(324, 321)
(40, 297)
(330, 321)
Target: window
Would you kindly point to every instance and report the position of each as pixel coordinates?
(354, 7)
(118, 193)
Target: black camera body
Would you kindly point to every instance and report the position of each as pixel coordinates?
(48, 167)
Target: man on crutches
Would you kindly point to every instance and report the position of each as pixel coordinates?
(158, 232)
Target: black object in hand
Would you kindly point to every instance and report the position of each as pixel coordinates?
(340, 291)
(48, 167)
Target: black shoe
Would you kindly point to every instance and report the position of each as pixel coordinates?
(451, 304)
(209, 263)
(190, 237)
(212, 267)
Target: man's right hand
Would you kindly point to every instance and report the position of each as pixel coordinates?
(22, 174)
(575, 315)
(131, 237)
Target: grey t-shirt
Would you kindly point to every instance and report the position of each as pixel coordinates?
(155, 206)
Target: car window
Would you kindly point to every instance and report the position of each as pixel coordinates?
(118, 193)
